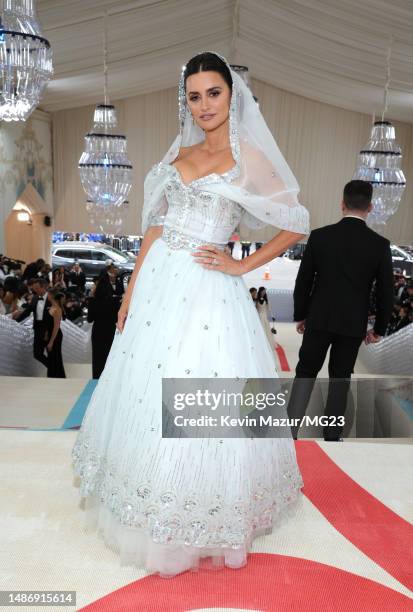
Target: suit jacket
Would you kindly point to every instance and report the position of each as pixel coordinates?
(334, 281)
(31, 308)
(103, 311)
(78, 280)
(119, 287)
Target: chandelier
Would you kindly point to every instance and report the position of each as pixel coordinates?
(25, 60)
(109, 220)
(105, 171)
(379, 162)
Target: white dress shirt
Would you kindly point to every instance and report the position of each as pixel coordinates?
(40, 308)
(355, 217)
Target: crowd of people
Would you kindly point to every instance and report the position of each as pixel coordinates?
(63, 293)
(52, 296)
(16, 286)
(403, 304)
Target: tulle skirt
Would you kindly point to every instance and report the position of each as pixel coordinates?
(172, 504)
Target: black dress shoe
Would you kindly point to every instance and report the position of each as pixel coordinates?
(333, 439)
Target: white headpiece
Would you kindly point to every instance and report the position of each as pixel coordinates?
(260, 181)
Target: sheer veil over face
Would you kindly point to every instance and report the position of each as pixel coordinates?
(260, 181)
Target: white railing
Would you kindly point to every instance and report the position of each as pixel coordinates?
(16, 346)
(392, 355)
(281, 304)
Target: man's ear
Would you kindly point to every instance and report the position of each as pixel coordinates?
(370, 207)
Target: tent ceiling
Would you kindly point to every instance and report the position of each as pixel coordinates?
(333, 51)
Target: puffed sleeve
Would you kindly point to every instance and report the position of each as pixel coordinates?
(155, 204)
(268, 199)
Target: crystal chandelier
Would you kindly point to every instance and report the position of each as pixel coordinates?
(108, 220)
(379, 163)
(105, 171)
(25, 60)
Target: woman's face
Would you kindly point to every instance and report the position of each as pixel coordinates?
(208, 97)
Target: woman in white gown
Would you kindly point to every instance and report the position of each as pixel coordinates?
(265, 313)
(164, 504)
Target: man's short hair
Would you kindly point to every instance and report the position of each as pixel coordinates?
(357, 195)
(43, 282)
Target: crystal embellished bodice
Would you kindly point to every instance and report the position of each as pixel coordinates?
(195, 216)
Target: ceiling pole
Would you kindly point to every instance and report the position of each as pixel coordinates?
(387, 85)
(235, 32)
(105, 57)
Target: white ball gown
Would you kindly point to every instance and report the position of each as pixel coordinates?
(169, 505)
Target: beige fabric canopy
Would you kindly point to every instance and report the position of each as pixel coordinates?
(332, 51)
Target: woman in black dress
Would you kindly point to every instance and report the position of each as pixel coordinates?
(54, 335)
(103, 309)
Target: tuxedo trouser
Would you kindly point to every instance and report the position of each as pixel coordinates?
(313, 351)
(39, 343)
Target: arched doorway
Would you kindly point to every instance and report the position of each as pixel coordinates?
(28, 239)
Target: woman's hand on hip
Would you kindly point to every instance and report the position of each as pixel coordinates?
(212, 258)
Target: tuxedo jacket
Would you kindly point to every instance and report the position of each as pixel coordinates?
(334, 281)
(79, 280)
(31, 308)
(119, 287)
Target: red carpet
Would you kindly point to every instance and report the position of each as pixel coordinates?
(273, 582)
(268, 582)
(282, 358)
(370, 525)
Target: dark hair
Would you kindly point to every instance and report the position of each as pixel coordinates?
(264, 298)
(103, 287)
(357, 195)
(208, 61)
(12, 284)
(60, 298)
(40, 280)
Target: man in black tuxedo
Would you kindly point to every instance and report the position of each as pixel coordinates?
(39, 306)
(331, 302)
(77, 278)
(115, 279)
